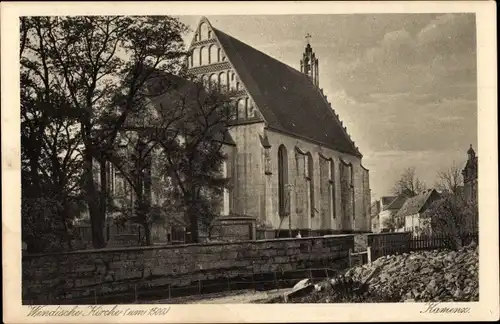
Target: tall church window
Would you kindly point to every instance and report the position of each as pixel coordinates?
(214, 54)
(283, 195)
(204, 55)
(209, 34)
(310, 182)
(195, 58)
(237, 86)
(225, 204)
(267, 161)
(241, 109)
(351, 183)
(219, 55)
(332, 187)
(204, 80)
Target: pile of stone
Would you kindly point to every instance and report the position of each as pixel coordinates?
(441, 276)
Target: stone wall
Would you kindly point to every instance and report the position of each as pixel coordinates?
(53, 278)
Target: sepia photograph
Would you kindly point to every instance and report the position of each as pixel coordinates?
(328, 158)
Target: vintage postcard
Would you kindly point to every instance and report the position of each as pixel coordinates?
(171, 162)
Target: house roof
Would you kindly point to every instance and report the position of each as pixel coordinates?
(288, 101)
(415, 204)
(386, 200)
(396, 203)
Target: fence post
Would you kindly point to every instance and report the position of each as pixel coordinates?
(169, 296)
(199, 287)
(350, 261)
(369, 254)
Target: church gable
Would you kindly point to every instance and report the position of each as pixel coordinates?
(207, 60)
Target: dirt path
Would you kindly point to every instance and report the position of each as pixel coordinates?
(235, 297)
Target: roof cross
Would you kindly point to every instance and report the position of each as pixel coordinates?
(308, 37)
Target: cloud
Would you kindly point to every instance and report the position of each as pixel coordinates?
(437, 59)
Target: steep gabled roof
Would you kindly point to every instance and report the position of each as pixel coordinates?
(288, 101)
(415, 204)
(397, 203)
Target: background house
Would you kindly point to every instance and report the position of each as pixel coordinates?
(414, 207)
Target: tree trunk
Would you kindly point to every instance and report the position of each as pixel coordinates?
(96, 217)
(147, 233)
(103, 196)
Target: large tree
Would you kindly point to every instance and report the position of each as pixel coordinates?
(179, 137)
(409, 183)
(450, 180)
(99, 65)
(50, 149)
(453, 218)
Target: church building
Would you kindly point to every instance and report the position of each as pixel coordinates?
(292, 164)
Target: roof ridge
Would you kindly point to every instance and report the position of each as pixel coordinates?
(263, 53)
(287, 99)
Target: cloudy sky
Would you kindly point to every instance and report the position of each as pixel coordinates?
(404, 84)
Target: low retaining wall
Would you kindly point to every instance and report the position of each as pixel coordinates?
(52, 278)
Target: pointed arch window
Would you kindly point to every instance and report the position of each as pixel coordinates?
(203, 31)
(219, 56)
(332, 187)
(195, 60)
(204, 56)
(205, 80)
(283, 194)
(250, 108)
(223, 80)
(226, 204)
(214, 81)
(351, 188)
(214, 58)
(310, 182)
(209, 34)
(241, 109)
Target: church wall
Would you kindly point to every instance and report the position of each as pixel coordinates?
(298, 205)
(249, 185)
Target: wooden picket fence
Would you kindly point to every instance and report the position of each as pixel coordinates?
(440, 241)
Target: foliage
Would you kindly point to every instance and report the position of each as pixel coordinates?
(390, 223)
(452, 216)
(409, 183)
(81, 76)
(450, 180)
